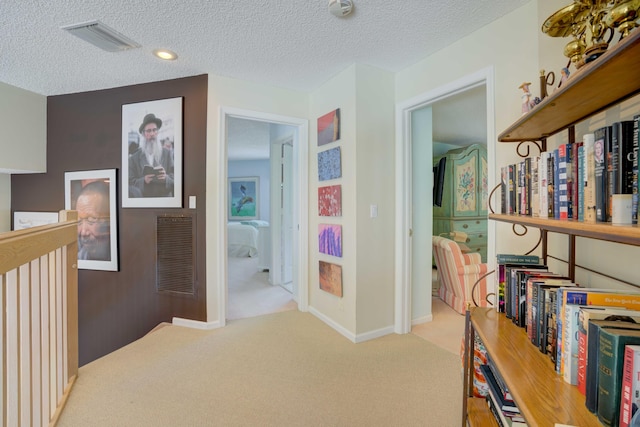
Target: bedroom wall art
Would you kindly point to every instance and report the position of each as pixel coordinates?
(331, 278)
(330, 239)
(93, 195)
(329, 164)
(329, 127)
(243, 198)
(330, 200)
(152, 154)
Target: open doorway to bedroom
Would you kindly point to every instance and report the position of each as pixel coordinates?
(261, 172)
(414, 221)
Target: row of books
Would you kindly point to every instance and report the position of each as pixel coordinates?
(577, 180)
(583, 331)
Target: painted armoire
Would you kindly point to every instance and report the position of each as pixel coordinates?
(464, 198)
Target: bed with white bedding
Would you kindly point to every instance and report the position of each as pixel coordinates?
(243, 237)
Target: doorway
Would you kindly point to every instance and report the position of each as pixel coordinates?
(287, 232)
(414, 210)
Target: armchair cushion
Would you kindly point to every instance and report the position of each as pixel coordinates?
(458, 273)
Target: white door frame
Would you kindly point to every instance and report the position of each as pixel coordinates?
(403, 168)
(301, 204)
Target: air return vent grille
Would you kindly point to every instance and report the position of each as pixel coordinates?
(175, 249)
(102, 36)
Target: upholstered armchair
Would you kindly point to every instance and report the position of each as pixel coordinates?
(458, 273)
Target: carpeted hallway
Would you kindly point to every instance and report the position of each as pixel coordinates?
(282, 369)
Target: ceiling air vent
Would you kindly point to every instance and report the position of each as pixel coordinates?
(98, 34)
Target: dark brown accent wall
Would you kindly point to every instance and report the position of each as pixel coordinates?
(84, 133)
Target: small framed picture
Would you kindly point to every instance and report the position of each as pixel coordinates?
(22, 220)
(329, 127)
(243, 198)
(93, 195)
(152, 154)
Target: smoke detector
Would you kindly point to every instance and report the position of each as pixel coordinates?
(340, 8)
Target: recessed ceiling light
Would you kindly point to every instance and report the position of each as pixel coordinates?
(165, 54)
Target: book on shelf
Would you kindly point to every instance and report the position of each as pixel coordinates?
(601, 136)
(610, 363)
(504, 188)
(506, 411)
(547, 292)
(596, 313)
(568, 173)
(536, 311)
(527, 186)
(543, 191)
(590, 178)
(635, 143)
(622, 137)
(535, 187)
(593, 346)
(522, 194)
(502, 385)
(556, 183)
(551, 329)
(580, 184)
(509, 287)
(517, 259)
(551, 184)
(512, 178)
(575, 199)
(517, 286)
(630, 391)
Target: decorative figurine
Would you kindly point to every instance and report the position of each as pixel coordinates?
(527, 102)
(564, 76)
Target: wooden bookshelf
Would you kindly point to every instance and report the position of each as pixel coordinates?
(628, 234)
(595, 87)
(542, 396)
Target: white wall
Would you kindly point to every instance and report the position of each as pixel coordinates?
(5, 202)
(338, 92)
(23, 120)
(374, 165)
(365, 96)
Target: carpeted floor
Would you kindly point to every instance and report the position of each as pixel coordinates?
(282, 369)
(250, 293)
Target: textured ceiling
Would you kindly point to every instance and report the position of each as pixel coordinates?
(292, 44)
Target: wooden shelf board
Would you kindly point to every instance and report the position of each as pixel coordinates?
(628, 234)
(589, 90)
(479, 414)
(541, 395)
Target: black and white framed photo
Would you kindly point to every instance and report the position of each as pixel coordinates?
(152, 154)
(93, 195)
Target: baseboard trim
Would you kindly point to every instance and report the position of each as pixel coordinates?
(421, 320)
(349, 335)
(375, 334)
(195, 324)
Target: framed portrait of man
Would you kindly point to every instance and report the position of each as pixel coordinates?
(152, 154)
(93, 195)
